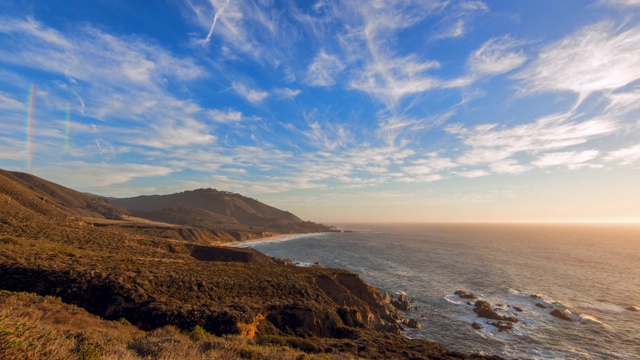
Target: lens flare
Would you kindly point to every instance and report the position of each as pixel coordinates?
(30, 124)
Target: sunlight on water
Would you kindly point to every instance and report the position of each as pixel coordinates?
(589, 272)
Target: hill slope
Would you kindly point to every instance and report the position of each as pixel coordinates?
(45, 197)
(206, 207)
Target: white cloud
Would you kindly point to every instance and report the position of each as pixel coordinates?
(391, 78)
(286, 93)
(455, 30)
(216, 16)
(473, 173)
(621, 3)
(460, 13)
(254, 96)
(596, 58)
(9, 103)
(93, 56)
(496, 56)
(228, 116)
(566, 158)
(95, 176)
(35, 29)
(490, 143)
(429, 165)
(625, 156)
(324, 69)
(508, 166)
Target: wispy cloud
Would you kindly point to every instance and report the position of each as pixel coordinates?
(625, 156)
(473, 173)
(324, 69)
(217, 15)
(286, 93)
(228, 116)
(496, 56)
(621, 3)
(490, 143)
(599, 57)
(571, 159)
(9, 103)
(96, 176)
(254, 96)
(460, 14)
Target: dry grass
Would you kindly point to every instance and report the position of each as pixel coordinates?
(36, 327)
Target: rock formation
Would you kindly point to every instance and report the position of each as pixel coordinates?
(484, 310)
(562, 315)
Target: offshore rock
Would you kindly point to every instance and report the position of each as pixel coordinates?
(484, 310)
(501, 325)
(412, 323)
(476, 326)
(465, 295)
(541, 306)
(402, 303)
(632, 308)
(562, 315)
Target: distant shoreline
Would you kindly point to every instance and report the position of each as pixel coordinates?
(269, 239)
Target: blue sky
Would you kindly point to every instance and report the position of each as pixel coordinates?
(391, 110)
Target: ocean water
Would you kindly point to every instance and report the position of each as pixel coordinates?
(591, 271)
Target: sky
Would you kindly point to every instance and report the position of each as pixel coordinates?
(338, 111)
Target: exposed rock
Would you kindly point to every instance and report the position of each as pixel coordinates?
(404, 305)
(412, 323)
(469, 303)
(282, 261)
(483, 309)
(562, 315)
(535, 296)
(476, 326)
(632, 308)
(541, 306)
(517, 308)
(465, 295)
(501, 325)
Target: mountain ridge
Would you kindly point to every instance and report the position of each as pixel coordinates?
(220, 206)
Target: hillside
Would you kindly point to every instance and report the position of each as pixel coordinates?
(158, 291)
(43, 196)
(210, 208)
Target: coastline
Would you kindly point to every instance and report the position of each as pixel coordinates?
(279, 237)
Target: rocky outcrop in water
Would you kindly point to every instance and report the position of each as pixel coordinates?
(501, 325)
(632, 308)
(484, 310)
(465, 295)
(412, 323)
(402, 303)
(562, 315)
(541, 306)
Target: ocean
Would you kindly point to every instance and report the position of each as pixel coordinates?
(591, 271)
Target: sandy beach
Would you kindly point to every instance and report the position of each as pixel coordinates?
(280, 237)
